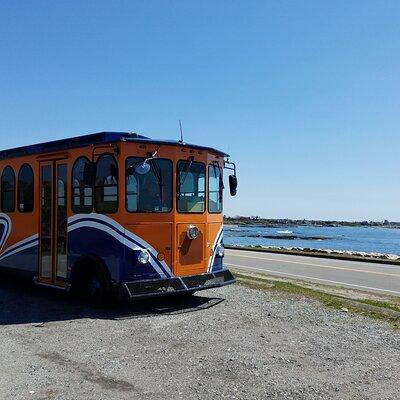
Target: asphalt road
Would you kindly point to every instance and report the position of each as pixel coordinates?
(379, 278)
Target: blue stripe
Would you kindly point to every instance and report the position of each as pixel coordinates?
(216, 244)
(17, 247)
(122, 234)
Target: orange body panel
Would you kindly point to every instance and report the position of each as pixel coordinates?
(158, 235)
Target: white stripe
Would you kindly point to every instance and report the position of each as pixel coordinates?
(29, 245)
(9, 248)
(217, 241)
(7, 229)
(104, 228)
(116, 235)
(122, 230)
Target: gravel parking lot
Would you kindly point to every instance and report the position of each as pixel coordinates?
(232, 342)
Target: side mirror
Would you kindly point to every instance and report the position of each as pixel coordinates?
(89, 173)
(233, 184)
(143, 168)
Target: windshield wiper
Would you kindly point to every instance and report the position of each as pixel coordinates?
(153, 167)
(158, 175)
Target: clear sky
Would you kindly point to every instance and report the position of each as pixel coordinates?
(305, 95)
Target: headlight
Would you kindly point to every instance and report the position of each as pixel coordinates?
(143, 257)
(220, 250)
(192, 232)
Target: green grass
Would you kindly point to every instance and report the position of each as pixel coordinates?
(381, 310)
(383, 304)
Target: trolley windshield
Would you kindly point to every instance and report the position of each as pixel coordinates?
(191, 187)
(151, 192)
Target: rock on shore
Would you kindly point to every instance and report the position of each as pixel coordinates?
(381, 256)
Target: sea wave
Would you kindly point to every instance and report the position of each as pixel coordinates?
(289, 237)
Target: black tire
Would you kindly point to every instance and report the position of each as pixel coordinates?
(97, 288)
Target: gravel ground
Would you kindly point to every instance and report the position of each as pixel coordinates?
(231, 342)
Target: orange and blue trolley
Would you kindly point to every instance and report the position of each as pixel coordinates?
(115, 212)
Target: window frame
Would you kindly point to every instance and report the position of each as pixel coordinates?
(95, 186)
(2, 190)
(19, 189)
(73, 189)
(171, 206)
(221, 188)
(178, 187)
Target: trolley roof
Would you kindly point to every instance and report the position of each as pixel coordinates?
(95, 139)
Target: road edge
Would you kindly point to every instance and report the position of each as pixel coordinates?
(314, 254)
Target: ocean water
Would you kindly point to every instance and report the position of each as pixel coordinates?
(368, 239)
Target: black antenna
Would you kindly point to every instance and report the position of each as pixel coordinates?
(180, 127)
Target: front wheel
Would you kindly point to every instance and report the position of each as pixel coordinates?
(97, 288)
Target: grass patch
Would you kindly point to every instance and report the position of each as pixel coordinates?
(380, 310)
(383, 304)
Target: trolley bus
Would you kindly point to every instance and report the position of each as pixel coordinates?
(115, 212)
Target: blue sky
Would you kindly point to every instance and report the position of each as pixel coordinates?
(305, 95)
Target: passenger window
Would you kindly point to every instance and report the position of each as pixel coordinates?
(106, 186)
(8, 190)
(25, 189)
(215, 187)
(152, 191)
(82, 191)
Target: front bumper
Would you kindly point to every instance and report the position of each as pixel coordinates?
(177, 285)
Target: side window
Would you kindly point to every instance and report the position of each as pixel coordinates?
(82, 191)
(25, 189)
(106, 186)
(215, 187)
(8, 190)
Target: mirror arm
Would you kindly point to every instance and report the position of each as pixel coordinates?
(230, 166)
(232, 178)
